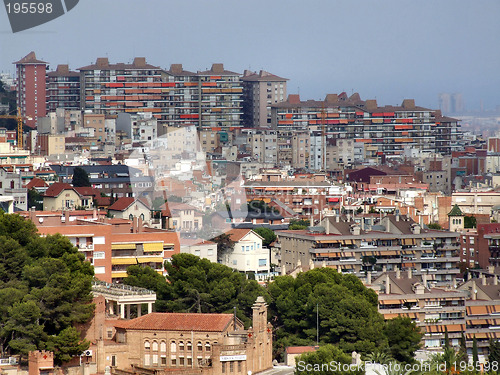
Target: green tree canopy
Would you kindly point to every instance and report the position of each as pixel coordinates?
(80, 177)
(404, 338)
(434, 226)
(348, 315)
(267, 234)
(327, 360)
(45, 288)
(198, 285)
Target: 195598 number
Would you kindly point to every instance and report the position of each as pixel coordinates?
(25, 8)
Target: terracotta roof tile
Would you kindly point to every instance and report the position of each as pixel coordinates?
(56, 188)
(300, 349)
(36, 182)
(238, 234)
(122, 203)
(179, 322)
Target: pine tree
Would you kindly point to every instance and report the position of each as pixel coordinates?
(475, 355)
(462, 352)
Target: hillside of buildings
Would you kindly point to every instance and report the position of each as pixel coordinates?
(219, 213)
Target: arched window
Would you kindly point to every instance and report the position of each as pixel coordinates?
(207, 346)
(147, 345)
(189, 346)
(200, 346)
(142, 217)
(163, 346)
(131, 217)
(173, 347)
(181, 346)
(155, 346)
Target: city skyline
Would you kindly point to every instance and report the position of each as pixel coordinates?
(387, 51)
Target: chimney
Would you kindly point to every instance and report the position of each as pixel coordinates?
(473, 291)
(327, 229)
(387, 284)
(337, 218)
(410, 274)
(419, 289)
(495, 280)
(398, 273)
(311, 221)
(94, 214)
(66, 217)
(424, 279)
(283, 270)
(483, 279)
(369, 278)
(397, 217)
(384, 268)
(491, 269)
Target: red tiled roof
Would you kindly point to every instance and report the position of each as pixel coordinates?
(179, 322)
(122, 204)
(30, 58)
(55, 189)
(300, 349)
(238, 234)
(36, 182)
(86, 190)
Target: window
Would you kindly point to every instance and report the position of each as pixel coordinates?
(163, 360)
(155, 346)
(262, 262)
(163, 346)
(189, 347)
(147, 345)
(181, 346)
(146, 359)
(200, 346)
(173, 360)
(189, 361)
(155, 359)
(207, 346)
(181, 361)
(173, 347)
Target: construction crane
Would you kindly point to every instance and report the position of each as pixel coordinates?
(19, 120)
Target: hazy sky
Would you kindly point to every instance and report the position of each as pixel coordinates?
(384, 49)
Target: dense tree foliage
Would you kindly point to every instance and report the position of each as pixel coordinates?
(80, 177)
(434, 226)
(403, 337)
(267, 234)
(348, 315)
(45, 288)
(327, 360)
(298, 224)
(198, 285)
(224, 245)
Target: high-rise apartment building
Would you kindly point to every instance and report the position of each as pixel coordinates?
(31, 96)
(386, 130)
(182, 99)
(63, 89)
(260, 91)
(220, 98)
(131, 88)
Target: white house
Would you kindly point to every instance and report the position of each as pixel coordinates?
(200, 248)
(248, 254)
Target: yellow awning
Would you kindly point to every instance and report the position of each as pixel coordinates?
(153, 246)
(123, 246)
(116, 260)
(150, 259)
(390, 302)
(116, 274)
